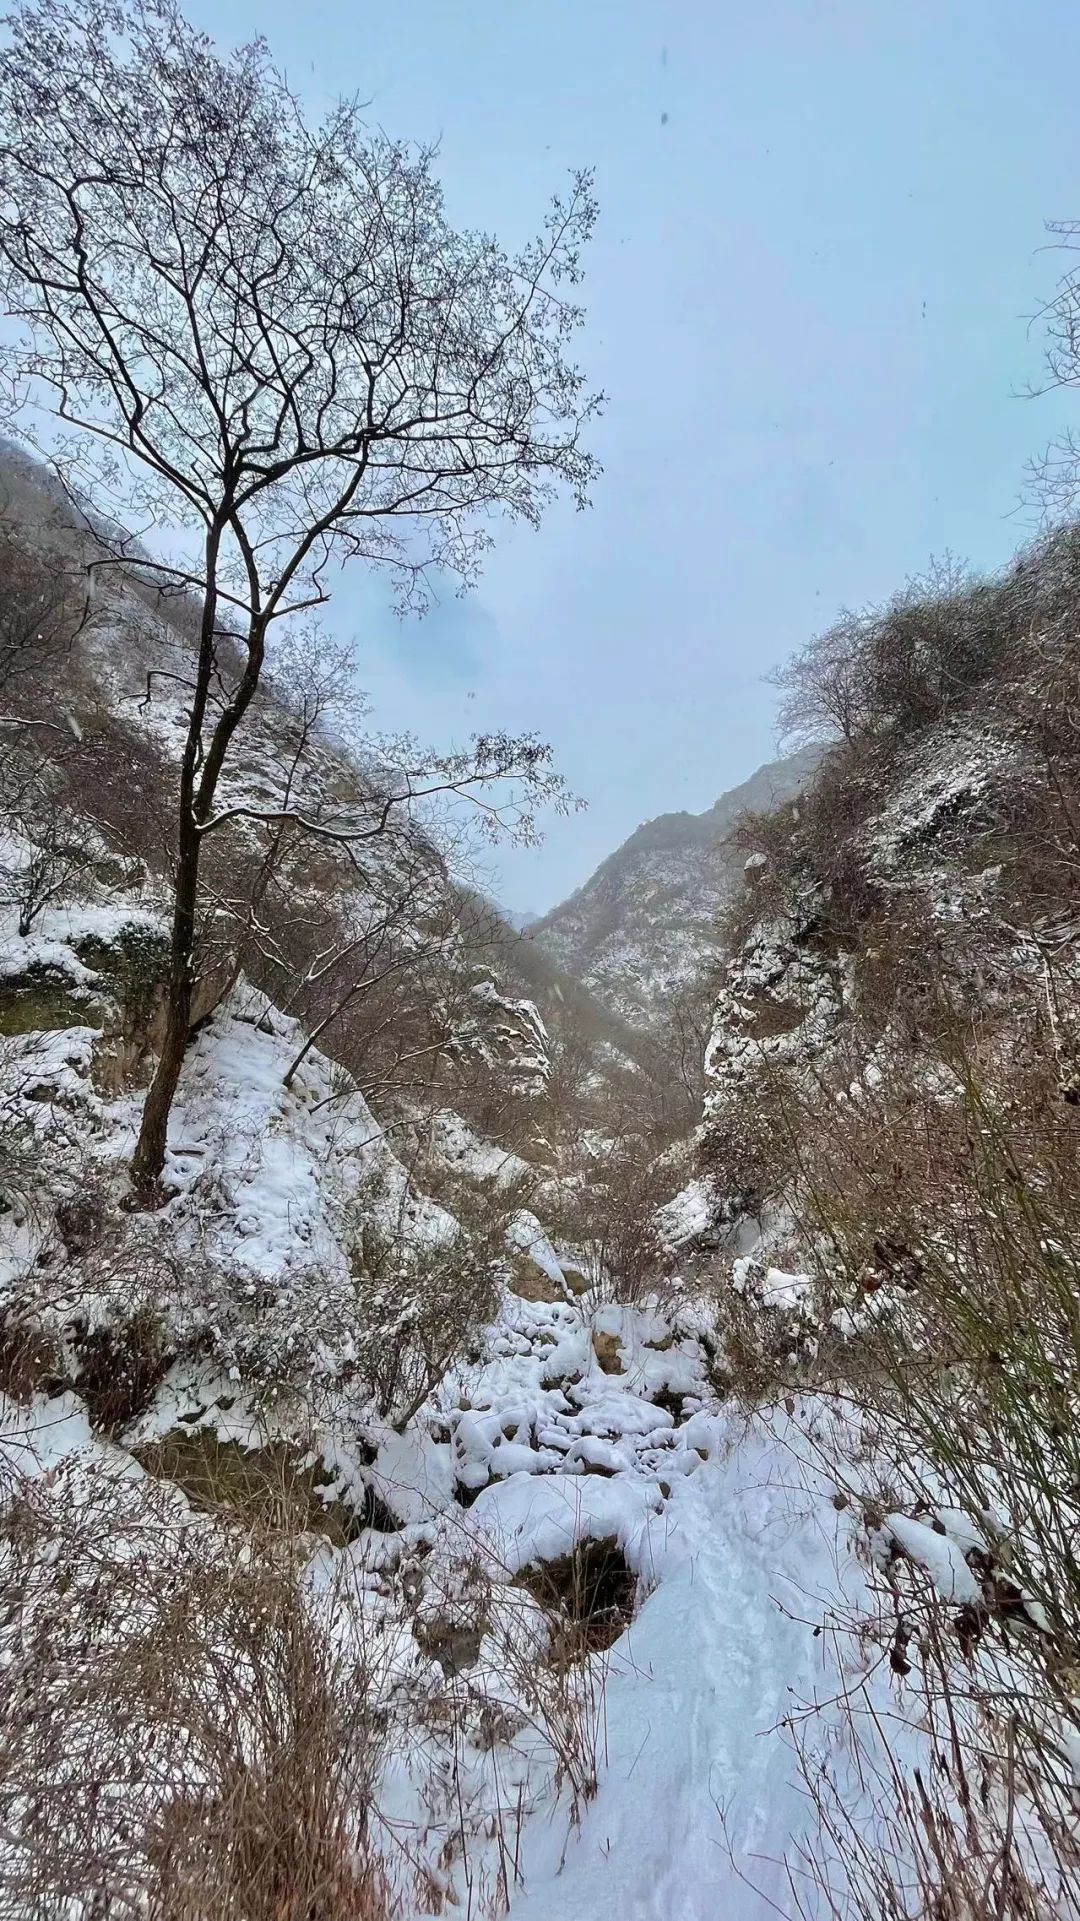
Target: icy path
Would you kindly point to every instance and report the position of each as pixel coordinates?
(700, 1800)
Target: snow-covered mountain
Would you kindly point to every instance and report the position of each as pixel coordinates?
(645, 923)
(410, 1508)
(921, 901)
(357, 1405)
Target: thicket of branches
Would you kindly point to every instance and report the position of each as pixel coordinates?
(267, 335)
(884, 673)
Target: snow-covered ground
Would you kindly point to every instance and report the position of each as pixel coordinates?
(701, 1807)
(708, 1716)
(656, 1771)
(699, 1804)
(576, 1421)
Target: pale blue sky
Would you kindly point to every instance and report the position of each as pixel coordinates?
(808, 298)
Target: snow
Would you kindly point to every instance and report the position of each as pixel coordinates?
(953, 769)
(938, 1554)
(451, 1143)
(527, 1519)
(59, 931)
(747, 1575)
(285, 1155)
(526, 1236)
(103, 921)
(690, 1213)
(964, 1531)
(38, 1440)
(19, 954)
(785, 1290)
(772, 1288)
(522, 1451)
(700, 1786)
(514, 1033)
(411, 1474)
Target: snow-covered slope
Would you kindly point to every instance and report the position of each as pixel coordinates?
(247, 1321)
(609, 1616)
(645, 923)
(649, 1781)
(911, 926)
(121, 691)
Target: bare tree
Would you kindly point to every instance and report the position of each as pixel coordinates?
(56, 861)
(892, 668)
(274, 340)
(381, 943)
(821, 686)
(685, 1036)
(1054, 478)
(44, 607)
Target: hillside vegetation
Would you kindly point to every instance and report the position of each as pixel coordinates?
(894, 1096)
(578, 1426)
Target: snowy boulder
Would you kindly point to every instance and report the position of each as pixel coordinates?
(773, 1289)
(696, 1215)
(933, 1549)
(101, 967)
(577, 1280)
(535, 1270)
(411, 1475)
(529, 1518)
(511, 1038)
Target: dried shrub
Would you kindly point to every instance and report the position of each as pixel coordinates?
(544, 1632)
(589, 1594)
(119, 1365)
(740, 1144)
(975, 1827)
(608, 1220)
(278, 1486)
(44, 608)
(83, 1218)
(180, 1736)
(892, 669)
(421, 1306)
(31, 1361)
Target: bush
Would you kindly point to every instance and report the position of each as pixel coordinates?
(213, 1759)
(30, 1358)
(120, 1363)
(893, 669)
(609, 1220)
(421, 1304)
(44, 607)
(934, 1193)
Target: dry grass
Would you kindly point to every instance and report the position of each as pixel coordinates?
(938, 1201)
(926, 1151)
(180, 1737)
(421, 1306)
(975, 1824)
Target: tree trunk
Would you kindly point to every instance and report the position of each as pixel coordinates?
(149, 1157)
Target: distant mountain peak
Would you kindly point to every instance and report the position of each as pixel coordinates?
(646, 921)
(517, 920)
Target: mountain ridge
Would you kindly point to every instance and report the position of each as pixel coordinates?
(645, 922)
